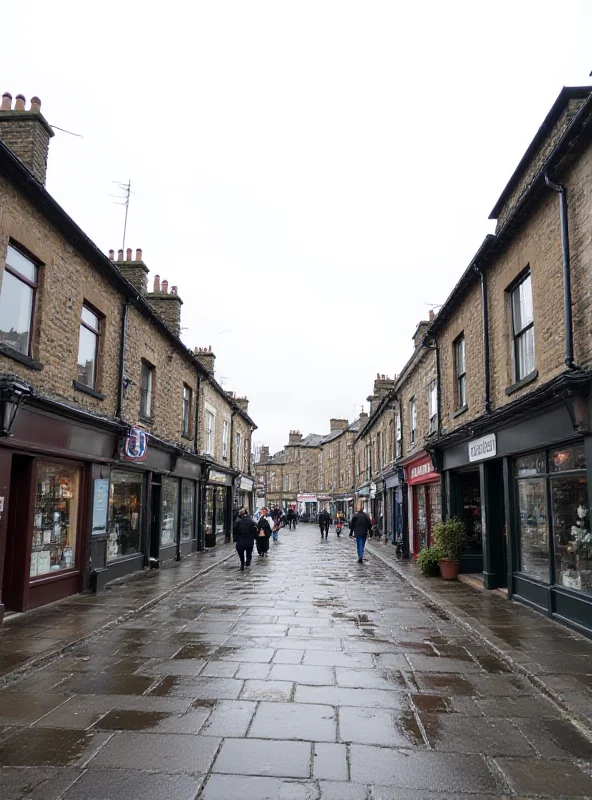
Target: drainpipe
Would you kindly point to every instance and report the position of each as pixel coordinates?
(567, 310)
(485, 318)
(122, 385)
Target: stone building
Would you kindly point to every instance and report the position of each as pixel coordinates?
(513, 340)
(108, 461)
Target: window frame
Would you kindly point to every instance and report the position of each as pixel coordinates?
(519, 335)
(97, 333)
(412, 419)
(398, 435)
(433, 406)
(187, 404)
(238, 441)
(33, 285)
(210, 441)
(460, 378)
(146, 368)
(225, 439)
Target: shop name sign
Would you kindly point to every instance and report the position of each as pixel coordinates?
(217, 477)
(134, 445)
(485, 447)
(421, 469)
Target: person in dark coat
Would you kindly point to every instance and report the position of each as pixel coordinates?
(263, 533)
(244, 532)
(324, 523)
(360, 525)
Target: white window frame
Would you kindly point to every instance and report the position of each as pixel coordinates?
(412, 419)
(186, 410)
(433, 405)
(398, 436)
(225, 439)
(210, 430)
(460, 370)
(146, 397)
(239, 450)
(522, 290)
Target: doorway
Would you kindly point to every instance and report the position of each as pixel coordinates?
(15, 577)
(155, 519)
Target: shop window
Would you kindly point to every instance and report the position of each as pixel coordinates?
(532, 523)
(55, 519)
(125, 505)
(187, 510)
(17, 301)
(170, 511)
(435, 496)
(460, 372)
(146, 389)
(187, 402)
(88, 347)
(209, 514)
(433, 406)
(572, 538)
(421, 519)
(221, 494)
(523, 328)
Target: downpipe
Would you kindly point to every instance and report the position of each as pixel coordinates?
(485, 321)
(566, 264)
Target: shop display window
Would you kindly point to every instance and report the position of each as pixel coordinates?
(571, 521)
(534, 529)
(125, 507)
(210, 509)
(421, 517)
(55, 519)
(170, 511)
(221, 494)
(187, 510)
(435, 496)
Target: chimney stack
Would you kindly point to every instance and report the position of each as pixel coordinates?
(420, 332)
(295, 437)
(136, 271)
(26, 133)
(338, 424)
(264, 454)
(206, 358)
(242, 403)
(167, 306)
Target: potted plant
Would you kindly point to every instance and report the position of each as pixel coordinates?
(428, 559)
(449, 538)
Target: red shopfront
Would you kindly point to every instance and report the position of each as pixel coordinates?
(425, 506)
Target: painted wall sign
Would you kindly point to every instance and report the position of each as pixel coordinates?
(421, 469)
(485, 447)
(134, 445)
(219, 477)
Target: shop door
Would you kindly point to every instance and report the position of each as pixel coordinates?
(496, 556)
(155, 517)
(15, 580)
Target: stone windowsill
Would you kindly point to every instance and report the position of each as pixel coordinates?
(460, 411)
(515, 387)
(10, 352)
(81, 387)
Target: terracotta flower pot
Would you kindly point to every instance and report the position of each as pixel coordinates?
(449, 569)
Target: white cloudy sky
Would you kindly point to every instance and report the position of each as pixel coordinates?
(313, 174)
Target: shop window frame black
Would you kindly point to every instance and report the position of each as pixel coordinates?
(548, 476)
(34, 286)
(518, 335)
(111, 562)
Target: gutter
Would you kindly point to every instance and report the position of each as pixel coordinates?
(566, 266)
(485, 320)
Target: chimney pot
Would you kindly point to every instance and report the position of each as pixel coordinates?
(6, 102)
(35, 104)
(157, 283)
(111, 255)
(431, 314)
(128, 254)
(138, 254)
(173, 290)
(120, 255)
(20, 102)
(164, 287)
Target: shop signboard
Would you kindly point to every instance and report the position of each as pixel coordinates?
(485, 447)
(100, 506)
(307, 498)
(220, 478)
(134, 445)
(246, 484)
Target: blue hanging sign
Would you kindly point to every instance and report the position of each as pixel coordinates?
(134, 445)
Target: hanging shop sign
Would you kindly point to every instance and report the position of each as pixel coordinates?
(307, 498)
(246, 484)
(485, 447)
(221, 478)
(100, 507)
(134, 445)
(324, 497)
(421, 471)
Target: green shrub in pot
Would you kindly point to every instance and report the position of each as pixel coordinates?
(428, 559)
(449, 538)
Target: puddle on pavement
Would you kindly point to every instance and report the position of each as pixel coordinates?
(448, 684)
(431, 703)
(199, 651)
(130, 720)
(408, 728)
(44, 748)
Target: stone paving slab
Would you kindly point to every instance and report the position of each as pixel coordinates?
(387, 698)
(551, 656)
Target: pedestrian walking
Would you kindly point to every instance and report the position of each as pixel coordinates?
(263, 533)
(276, 525)
(360, 526)
(243, 533)
(324, 523)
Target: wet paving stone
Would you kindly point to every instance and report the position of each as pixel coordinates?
(278, 691)
(294, 721)
(21, 708)
(379, 726)
(36, 783)
(158, 751)
(365, 698)
(224, 787)
(547, 778)
(264, 758)
(122, 784)
(49, 748)
(230, 718)
(107, 683)
(455, 733)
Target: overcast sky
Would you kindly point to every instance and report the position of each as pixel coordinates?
(313, 175)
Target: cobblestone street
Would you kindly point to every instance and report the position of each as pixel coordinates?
(308, 676)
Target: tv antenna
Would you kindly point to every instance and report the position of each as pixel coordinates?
(124, 200)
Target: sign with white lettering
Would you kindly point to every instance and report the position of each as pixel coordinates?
(421, 469)
(485, 447)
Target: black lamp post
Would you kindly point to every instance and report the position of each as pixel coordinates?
(12, 392)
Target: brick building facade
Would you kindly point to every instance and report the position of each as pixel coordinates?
(106, 462)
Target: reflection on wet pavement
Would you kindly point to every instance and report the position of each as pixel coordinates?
(306, 677)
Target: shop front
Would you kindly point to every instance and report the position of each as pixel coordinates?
(529, 499)
(396, 517)
(424, 503)
(344, 505)
(308, 507)
(217, 507)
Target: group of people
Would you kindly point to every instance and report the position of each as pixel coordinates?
(247, 533)
(324, 520)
